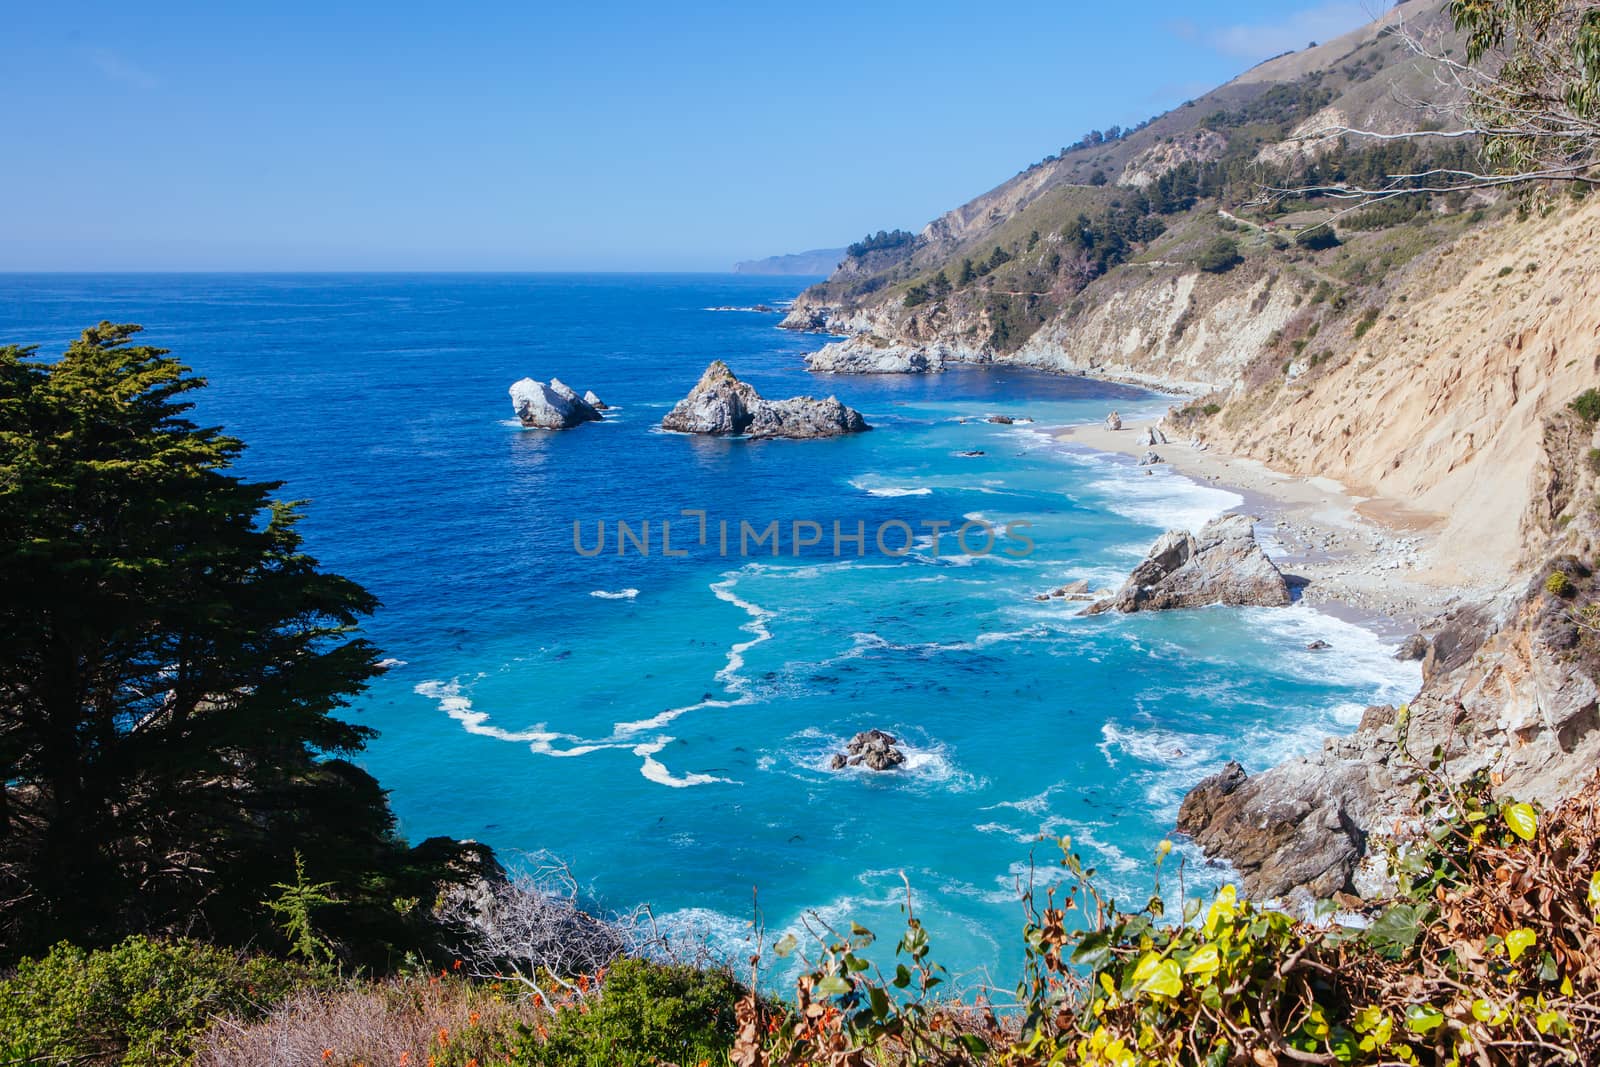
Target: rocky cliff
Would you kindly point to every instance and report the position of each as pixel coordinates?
(1422, 353)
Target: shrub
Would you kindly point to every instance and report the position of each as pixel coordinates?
(444, 1020)
(1505, 272)
(646, 1014)
(1220, 257)
(141, 1003)
(1587, 405)
(1366, 322)
(1592, 458)
(1211, 409)
(1317, 239)
(1559, 584)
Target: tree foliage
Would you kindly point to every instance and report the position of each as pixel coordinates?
(170, 664)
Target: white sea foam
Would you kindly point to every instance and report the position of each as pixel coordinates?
(729, 675)
(656, 771)
(1162, 499)
(391, 663)
(621, 594)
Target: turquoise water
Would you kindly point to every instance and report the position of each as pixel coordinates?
(665, 724)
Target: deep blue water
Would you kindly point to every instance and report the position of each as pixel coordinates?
(670, 739)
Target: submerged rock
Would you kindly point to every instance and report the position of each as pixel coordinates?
(1151, 459)
(1002, 420)
(722, 405)
(1223, 565)
(1078, 590)
(1318, 645)
(872, 749)
(551, 407)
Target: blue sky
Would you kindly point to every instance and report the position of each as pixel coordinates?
(604, 135)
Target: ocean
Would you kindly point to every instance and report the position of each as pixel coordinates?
(664, 724)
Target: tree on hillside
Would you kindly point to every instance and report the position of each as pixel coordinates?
(1527, 92)
(170, 664)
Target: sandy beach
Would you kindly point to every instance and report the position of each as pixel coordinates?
(1360, 558)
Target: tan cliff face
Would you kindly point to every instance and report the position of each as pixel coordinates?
(1441, 407)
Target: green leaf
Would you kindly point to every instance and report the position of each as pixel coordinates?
(786, 944)
(1522, 820)
(831, 986)
(1395, 931)
(1093, 951)
(1423, 1018)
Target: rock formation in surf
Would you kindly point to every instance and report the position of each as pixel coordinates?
(722, 405)
(872, 749)
(551, 407)
(1223, 565)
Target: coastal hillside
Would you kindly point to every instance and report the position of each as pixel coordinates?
(816, 261)
(1421, 353)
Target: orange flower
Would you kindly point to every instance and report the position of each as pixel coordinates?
(472, 1020)
(456, 966)
(444, 1036)
(405, 1058)
(327, 1054)
(543, 1032)
(473, 1062)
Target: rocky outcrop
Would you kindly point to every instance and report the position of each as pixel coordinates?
(1222, 565)
(1074, 591)
(722, 405)
(551, 407)
(861, 356)
(872, 749)
(1516, 702)
(594, 401)
(1146, 168)
(1153, 436)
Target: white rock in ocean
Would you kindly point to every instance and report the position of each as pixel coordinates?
(550, 407)
(860, 356)
(594, 401)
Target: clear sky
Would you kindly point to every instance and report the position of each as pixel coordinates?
(594, 135)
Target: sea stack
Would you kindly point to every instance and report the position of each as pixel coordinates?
(721, 405)
(1223, 565)
(551, 407)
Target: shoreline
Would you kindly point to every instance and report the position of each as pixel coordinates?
(1354, 565)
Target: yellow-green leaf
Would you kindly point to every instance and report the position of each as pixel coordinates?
(1204, 961)
(1221, 908)
(1164, 980)
(1519, 941)
(1522, 820)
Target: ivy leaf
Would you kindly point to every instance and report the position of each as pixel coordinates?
(1204, 961)
(1422, 1018)
(1519, 941)
(1522, 820)
(1158, 977)
(1093, 951)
